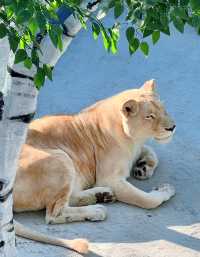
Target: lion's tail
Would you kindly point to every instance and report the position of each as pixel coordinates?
(78, 245)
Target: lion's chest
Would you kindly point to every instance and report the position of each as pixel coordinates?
(132, 156)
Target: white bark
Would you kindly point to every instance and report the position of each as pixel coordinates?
(17, 103)
(19, 96)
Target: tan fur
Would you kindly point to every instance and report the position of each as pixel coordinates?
(65, 155)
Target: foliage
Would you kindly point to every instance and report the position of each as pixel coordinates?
(21, 20)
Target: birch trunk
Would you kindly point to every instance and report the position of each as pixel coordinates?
(18, 99)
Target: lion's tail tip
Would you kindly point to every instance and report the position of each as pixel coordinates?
(79, 245)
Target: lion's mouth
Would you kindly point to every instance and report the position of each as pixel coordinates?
(164, 139)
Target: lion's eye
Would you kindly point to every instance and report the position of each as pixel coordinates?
(150, 116)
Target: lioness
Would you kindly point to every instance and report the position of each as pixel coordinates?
(70, 163)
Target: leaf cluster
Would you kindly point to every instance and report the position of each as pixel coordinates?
(21, 20)
(151, 18)
(25, 23)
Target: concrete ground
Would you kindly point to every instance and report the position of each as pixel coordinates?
(85, 74)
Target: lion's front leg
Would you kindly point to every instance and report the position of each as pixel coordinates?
(146, 164)
(92, 196)
(127, 193)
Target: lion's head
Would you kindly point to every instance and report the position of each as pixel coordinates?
(143, 114)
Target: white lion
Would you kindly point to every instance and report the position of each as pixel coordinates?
(70, 163)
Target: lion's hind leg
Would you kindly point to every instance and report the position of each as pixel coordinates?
(66, 213)
(58, 209)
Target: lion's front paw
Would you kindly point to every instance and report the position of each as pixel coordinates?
(106, 196)
(166, 190)
(143, 169)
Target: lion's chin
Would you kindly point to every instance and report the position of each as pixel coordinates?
(164, 140)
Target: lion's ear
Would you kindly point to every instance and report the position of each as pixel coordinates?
(130, 108)
(149, 86)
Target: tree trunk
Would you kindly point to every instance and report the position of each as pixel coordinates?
(18, 103)
(18, 99)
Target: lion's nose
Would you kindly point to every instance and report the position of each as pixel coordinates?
(171, 128)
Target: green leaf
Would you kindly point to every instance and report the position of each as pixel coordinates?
(9, 12)
(39, 78)
(155, 36)
(151, 2)
(130, 34)
(198, 30)
(130, 15)
(164, 19)
(28, 63)
(179, 11)
(114, 37)
(20, 56)
(184, 2)
(41, 20)
(178, 24)
(3, 15)
(119, 8)
(144, 47)
(59, 35)
(48, 71)
(27, 38)
(23, 4)
(129, 3)
(83, 23)
(60, 44)
(165, 30)
(53, 36)
(195, 4)
(113, 46)
(133, 45)
(106, 40)
(21, 44)
(95, 30)
(194, 21)
(34, 57)
(13, 42)
(147, 32)
(8, 2)
(3, 30)
(115, 32)
(33, 26)
(23, 16)
(111, 4)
